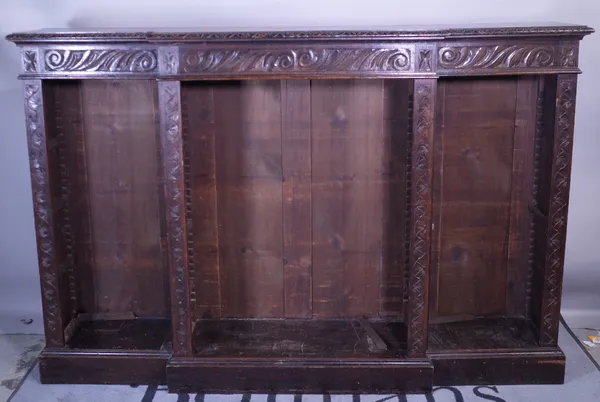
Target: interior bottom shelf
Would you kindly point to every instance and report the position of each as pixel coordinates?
(129, 334)
(483, 333)
(305, 338)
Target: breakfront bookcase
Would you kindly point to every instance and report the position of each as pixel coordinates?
(365, 210)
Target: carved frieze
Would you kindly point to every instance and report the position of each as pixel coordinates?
(323, 60)
(496, 57)
(101, 60)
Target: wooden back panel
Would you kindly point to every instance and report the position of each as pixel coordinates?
(109, 130)
(298, 197)
(485, 130)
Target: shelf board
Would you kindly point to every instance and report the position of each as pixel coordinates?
(483, 333)
(298, 338)
(135, 334)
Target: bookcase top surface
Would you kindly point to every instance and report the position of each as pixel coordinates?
(303, 33)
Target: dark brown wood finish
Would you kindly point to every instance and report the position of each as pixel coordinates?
(296, 160)
(557, 209)
(246, 212)
(172, 151)
(420, 222)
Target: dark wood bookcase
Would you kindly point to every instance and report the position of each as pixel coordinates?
(310, 211)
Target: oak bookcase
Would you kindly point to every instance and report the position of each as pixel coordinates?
(311, 211)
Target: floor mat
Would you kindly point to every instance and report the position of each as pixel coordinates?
(582, 385)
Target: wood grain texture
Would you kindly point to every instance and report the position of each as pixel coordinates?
(119, 122)
(395, 197)
(300, 376)
(521, 196)
(473, 193)
(249, 197)
(420, 221)
(172, 150)
(298, 338)
(88, 367)
(199, 128)
(348, 192)
(296, 162)
(61, 189)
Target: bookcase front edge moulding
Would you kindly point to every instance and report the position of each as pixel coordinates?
(301, 211)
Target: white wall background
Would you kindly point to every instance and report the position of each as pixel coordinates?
(19, 288)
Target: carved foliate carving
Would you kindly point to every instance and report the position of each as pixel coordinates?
(300, 60)
(177, 243)
(101, 60)
(559, 200)
(568, 56)
(420, 220)
(496, 57)
(43, 212)
(30, 64)
(425, 60)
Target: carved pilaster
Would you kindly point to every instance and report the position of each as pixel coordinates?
(172, 155)
(43, 213)
(566, 87)
(421, 172)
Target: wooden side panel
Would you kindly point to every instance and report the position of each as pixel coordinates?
(296, 197)
(197, 103)
(473, 195)
(249, 197)
(119, 121)
(397, 118)
(60, 190)
(348, 193)
(521, 196)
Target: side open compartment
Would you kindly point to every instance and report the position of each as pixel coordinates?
(489, 305)
(110, 290)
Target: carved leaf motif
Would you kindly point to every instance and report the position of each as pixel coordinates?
(420, 221)
(425, 60)
(172, 149)
(42, 211)
(263, 61)
(568, 57)
(483, 57)
(30, 61)
(105, 60)
(558, 208)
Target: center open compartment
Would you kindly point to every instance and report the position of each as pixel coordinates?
(298, 204)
